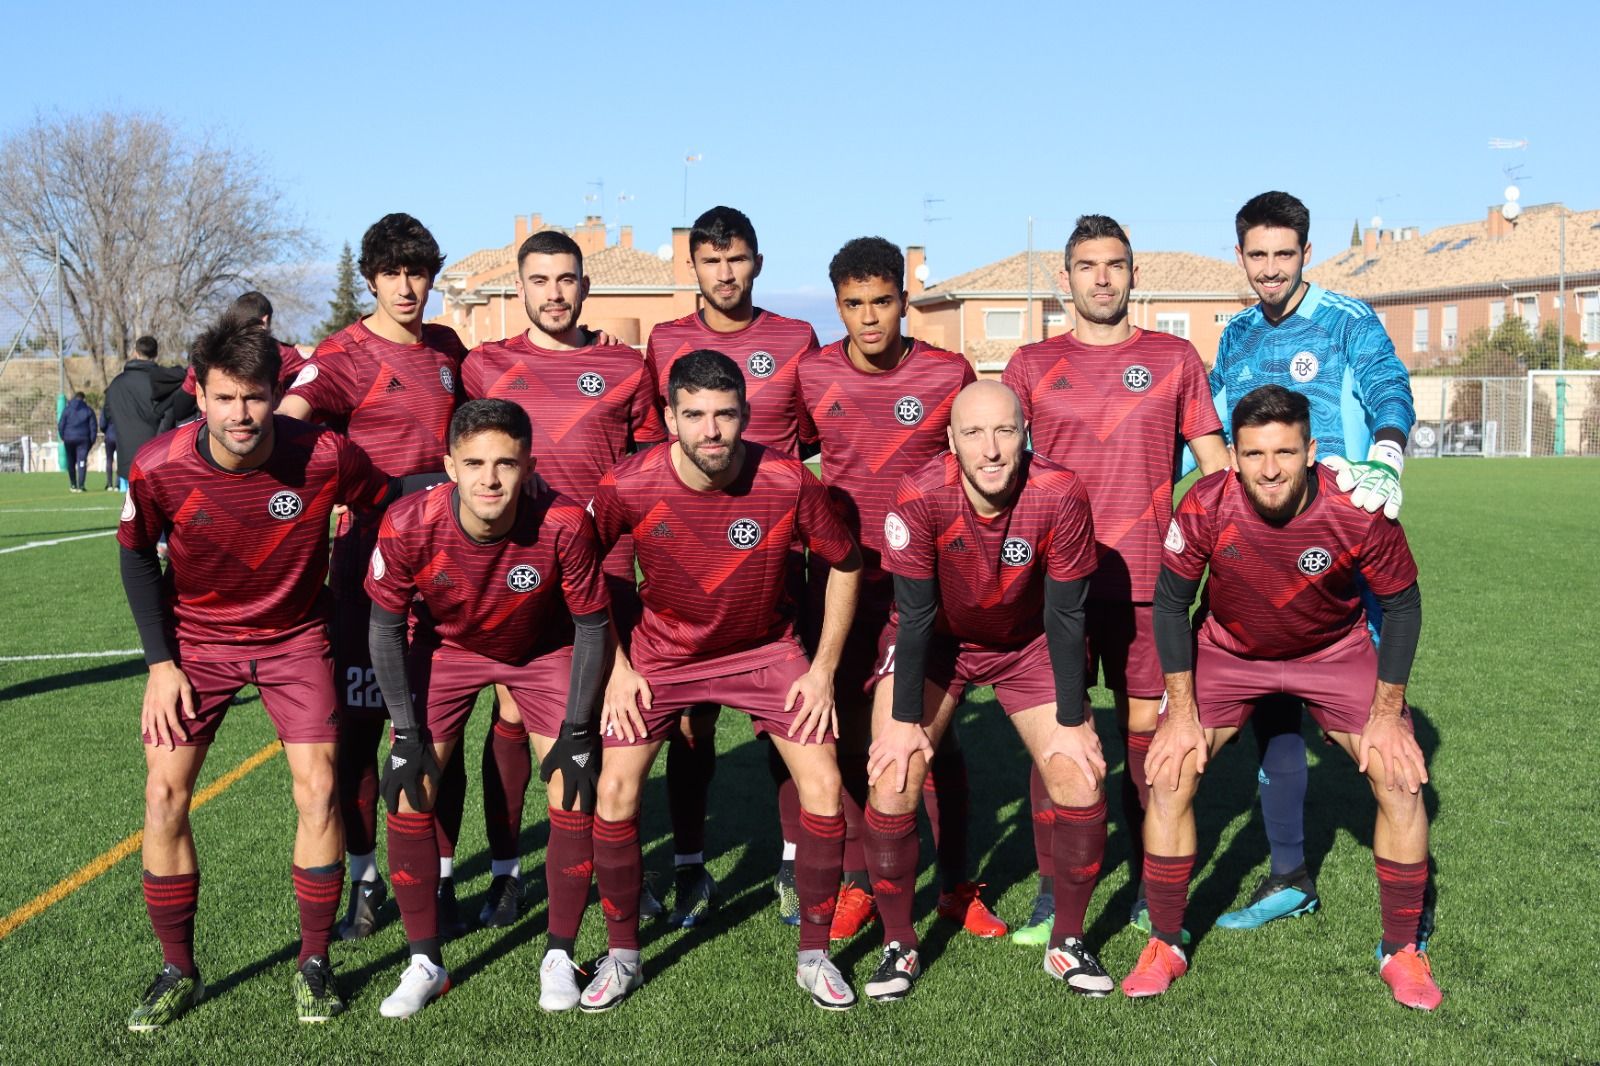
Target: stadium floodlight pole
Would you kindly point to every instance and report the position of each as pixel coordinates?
(1561, 331)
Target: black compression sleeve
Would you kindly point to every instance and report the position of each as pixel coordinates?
(1063, 631)
(588, 666)
(1398, 436)
(386, 640)
(141, 580)
(917, 600)
(1402, 629)
(1170, 621)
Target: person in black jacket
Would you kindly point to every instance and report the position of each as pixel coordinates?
(78, 428)
(109, 429)
(137, 399)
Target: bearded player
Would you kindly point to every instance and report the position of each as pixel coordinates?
(713, 518)
(1284, 545)
(503, 574)
(991, 548)
(390, 382)
(243, 498)
(587, 400)
(878, 403)
(767, 348)
(1115, 404)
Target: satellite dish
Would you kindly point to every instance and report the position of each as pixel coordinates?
(922, 272)
(1510, 210)
(1376, 223)
(664, 253)
(1513, 193)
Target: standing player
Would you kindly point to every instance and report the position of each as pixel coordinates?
(587, 400)
(1284, 545)
(991, 548)
(507, 573)
(389, 382)
(713, 518)
(1333, 350)
(243, 498)
(879, 403)
(767, 349)
(1114, 403)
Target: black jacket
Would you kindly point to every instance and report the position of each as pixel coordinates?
(137, 399)
(77, 422)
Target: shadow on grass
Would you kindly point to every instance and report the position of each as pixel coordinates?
(133, 666)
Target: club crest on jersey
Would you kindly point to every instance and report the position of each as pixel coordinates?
(895, 532)
(1137, 378)
(448, 380)
(1016, 552)
(285, 506)
(523, 578)
(128, 510)
(908, 410)
(306, 376)
(591, 384)
(1314, 561)
(1303, 367)
(1174, 541)
(744, 534)
(378, 569)
(761, 364)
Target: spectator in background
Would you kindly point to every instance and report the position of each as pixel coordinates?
(78, 427)
(137, 399)
(110, 431)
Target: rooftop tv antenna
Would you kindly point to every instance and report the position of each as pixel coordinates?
(928, 208)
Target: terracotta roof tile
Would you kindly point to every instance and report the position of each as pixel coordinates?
(613, 267)
(1159, 272)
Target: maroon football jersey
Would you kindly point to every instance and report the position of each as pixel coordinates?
(512, 599)
(876, 428)
(991, 571)
(247, 551)
(395, 400)
(715, 564)
(1117, 416)
(1280, 592)
(767, 352)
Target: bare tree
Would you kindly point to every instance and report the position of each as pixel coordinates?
(158, 230)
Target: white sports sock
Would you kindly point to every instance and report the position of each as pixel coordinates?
(788, 851)
(362, 867)
(502, 867)
(447, 867)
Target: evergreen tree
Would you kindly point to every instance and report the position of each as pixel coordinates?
(1355, 234)
(346, 305)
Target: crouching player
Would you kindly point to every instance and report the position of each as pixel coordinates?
(243, 498)
(506, 574)
(991, 548)
(712, 518)
(1284, 545)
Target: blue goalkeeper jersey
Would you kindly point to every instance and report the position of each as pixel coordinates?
(1334, 351)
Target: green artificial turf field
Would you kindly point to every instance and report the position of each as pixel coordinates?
(1505, 689)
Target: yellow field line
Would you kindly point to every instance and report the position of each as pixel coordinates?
(50, 897)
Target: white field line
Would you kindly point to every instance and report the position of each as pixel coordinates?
(118, 653)
(53, 510)
(58, 540)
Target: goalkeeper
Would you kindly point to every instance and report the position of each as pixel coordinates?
(1333, 350)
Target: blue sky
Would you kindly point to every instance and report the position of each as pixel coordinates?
(828, 120)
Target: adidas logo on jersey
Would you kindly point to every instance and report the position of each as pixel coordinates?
(1230, 552)
(395, 385)
(1061, 383)
(200, 519)
(959, 544)
(520, 384)
(836, 409)
(661, 530)
(441, 580)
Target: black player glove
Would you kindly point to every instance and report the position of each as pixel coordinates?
(410, 760)
(576, 753)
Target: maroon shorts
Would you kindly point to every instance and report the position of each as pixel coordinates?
(296, 689)
(447, 682)
(759, 693)
(1022, 677)
(1121, 640)
(1337, 683)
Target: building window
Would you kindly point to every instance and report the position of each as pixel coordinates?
(1055, 318)
(1497, 314)
(1173, 322)
(1419, 330)
(1528, 311)
(1589, 317)
(1224, 317)
(1447, 328)
(1002, 325)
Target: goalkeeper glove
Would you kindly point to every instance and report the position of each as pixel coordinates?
(1375, 482)
(576, 753)
(410, 760)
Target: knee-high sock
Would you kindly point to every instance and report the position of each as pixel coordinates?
(619, 872)
(414, 874)
(452, 802)
(568, 868)
(891, 846)
(317, 891)
(691, 764)
(507, 769)
(1400, 890)
(1166, 883)
(1042, 814)
(946, 796)
(1078, 845)
(359, 737)
(853, 770)
(1282, 780)
(171, 902)
(818, 862)
(1135, 797)
(788, 796)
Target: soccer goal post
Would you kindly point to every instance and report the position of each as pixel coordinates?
(1563, 412)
